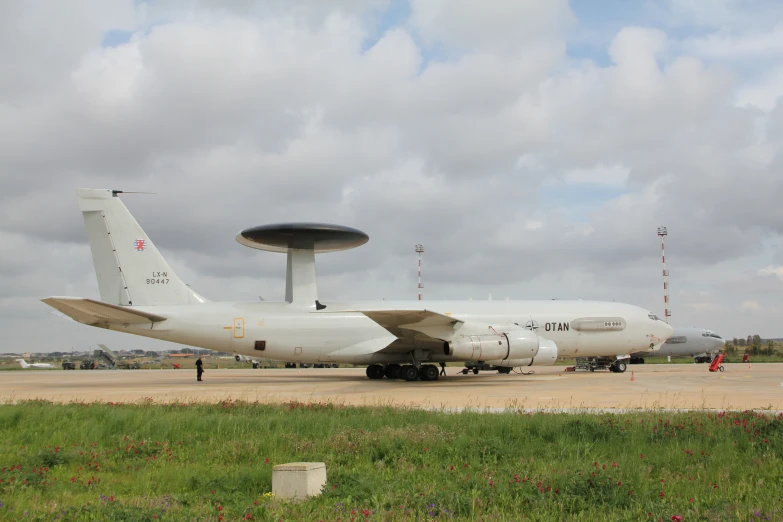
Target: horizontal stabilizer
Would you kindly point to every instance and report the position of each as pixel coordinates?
(89, 311)
(432, 324)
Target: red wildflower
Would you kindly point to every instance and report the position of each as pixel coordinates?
(676, 518)
(614, 464)
(111, 499)
(662, 494)
(255, 502)
(690, 500)
(247, 516)
(220, 508)
(619, 483)
(213, 491)
(451, 468)
(641, 455)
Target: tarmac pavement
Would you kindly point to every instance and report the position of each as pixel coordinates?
(675, 386)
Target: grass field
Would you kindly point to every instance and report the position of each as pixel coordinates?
(214, 462)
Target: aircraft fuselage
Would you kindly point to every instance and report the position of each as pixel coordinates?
(286, 332)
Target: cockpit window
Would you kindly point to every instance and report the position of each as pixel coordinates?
(653, 317)
(711, 334)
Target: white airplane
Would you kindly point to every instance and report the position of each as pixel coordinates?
(141, 295)
(698, 343)
(24, 364)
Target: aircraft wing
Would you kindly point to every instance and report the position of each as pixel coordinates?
(432, 324)
(89, 311)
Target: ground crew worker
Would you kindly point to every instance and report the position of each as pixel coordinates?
(199, 369)
(745, 358)
(443, 369)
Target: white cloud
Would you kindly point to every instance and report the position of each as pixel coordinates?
(501, 24)
(600, 174)
(751, 305)
(772, 270)
(764, 93)
(732, 47)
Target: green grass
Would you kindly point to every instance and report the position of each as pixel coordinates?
(200, 462)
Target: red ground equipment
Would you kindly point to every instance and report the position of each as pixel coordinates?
(716, 363)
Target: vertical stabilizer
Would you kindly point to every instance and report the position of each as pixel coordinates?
(300, 281)
(23, 363)
(129, 268)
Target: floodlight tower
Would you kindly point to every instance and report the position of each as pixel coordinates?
(662, 232)
(419, 251)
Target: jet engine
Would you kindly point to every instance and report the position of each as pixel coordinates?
(513, 344)
(546, 356)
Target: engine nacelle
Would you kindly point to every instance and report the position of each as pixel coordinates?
(514, 344)
(546, 356)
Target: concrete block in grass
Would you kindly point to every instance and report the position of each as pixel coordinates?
(298, 480)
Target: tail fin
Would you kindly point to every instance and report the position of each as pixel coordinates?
(129, 268)
(23, 363)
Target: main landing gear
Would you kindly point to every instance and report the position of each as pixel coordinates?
(406, 372)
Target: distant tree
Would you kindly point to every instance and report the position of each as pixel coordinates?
(740, 342)
(731, 348)
(151, 354)
(735, 341)
(138, 352)
(750, 340)
(770, 350)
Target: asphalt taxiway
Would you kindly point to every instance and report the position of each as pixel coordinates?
(677, 386)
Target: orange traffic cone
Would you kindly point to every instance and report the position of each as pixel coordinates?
(632, 377)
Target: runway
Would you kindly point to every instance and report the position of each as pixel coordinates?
(685, 386)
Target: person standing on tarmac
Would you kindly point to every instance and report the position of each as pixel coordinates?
(199, 368)
(443, 369)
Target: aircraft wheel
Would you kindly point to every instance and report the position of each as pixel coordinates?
(504, 370)
(720, 368)
(428, 372)
(620, 366)
(392, 371)
(375, 371)
(475, 371)
(409, 373)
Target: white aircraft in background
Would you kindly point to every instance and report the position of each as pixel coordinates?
(698, 343)
(24, 364)
(141, 295)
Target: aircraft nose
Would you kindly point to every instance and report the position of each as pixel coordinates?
(666, 331)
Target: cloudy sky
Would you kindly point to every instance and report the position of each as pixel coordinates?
(532, 147)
